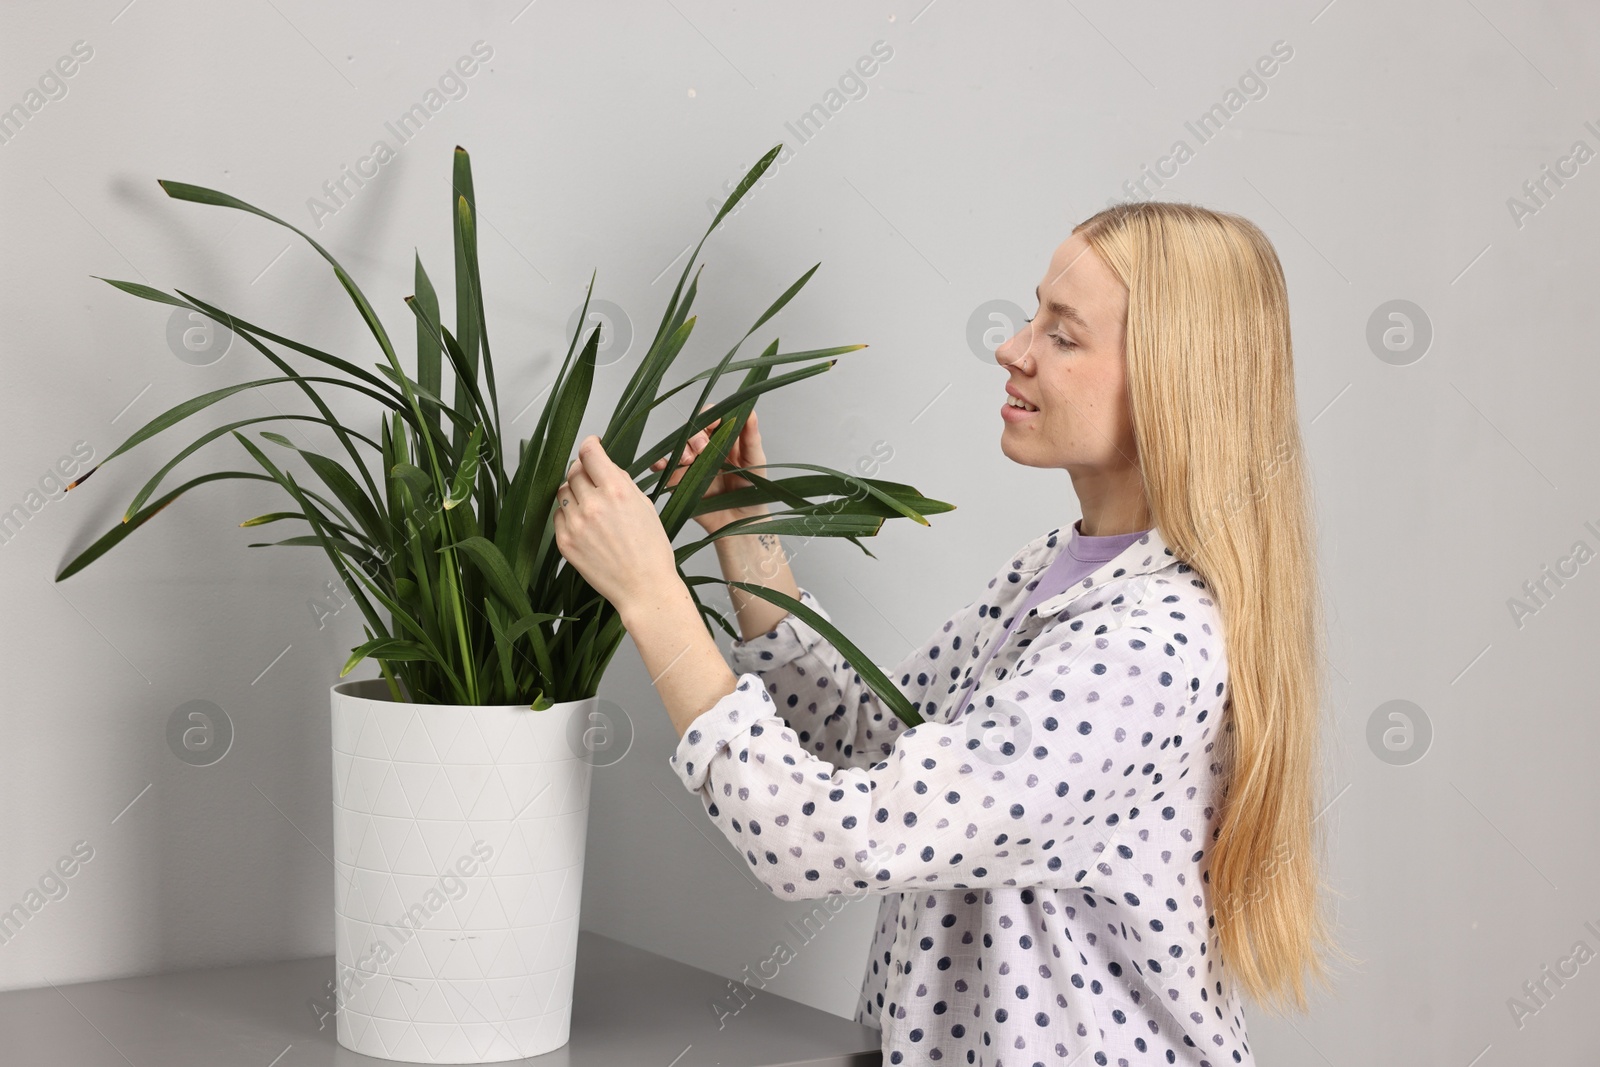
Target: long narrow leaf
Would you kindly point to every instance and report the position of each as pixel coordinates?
(427, 351)
(155, 480)
(118, 533)
(316, 398)
(497, 572)
(814, 485)
(887, 692)
(807, 526)
(776, 358)
(691, 487)
(467, 312)
(199, 194)
(555, 455)
(502, 645)
(178, 412)
(354, 551)
(858, 482)
(700, 420)
(472, 329)
(676, 313)
(622, 433)
(394, 649)
(467, 472)
(238, 325)
(202, 195)
(309, 510)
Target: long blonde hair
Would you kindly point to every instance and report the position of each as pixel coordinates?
(1211, 390)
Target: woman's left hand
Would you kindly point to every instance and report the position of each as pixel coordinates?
(610, 531)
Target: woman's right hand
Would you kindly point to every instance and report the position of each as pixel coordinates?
(745, 452)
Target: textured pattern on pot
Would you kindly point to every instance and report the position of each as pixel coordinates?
(458, 847)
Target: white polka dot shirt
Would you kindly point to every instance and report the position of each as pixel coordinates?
(1039, 848)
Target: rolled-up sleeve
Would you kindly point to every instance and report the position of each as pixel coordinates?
(1076, 752)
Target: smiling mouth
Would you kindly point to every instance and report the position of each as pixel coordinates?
(1019, 405)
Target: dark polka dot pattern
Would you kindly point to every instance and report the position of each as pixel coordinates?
(1039, 842)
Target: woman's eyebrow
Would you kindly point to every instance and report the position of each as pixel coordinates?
(1066, 311)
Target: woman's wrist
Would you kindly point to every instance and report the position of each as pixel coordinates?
(756, 560)
(734, 515)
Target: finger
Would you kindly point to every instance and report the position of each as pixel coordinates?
(596, 466)
(579, 481)
(579, 486)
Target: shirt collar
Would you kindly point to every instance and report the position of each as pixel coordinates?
(1148, 554)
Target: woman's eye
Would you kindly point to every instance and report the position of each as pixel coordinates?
(1061, 342)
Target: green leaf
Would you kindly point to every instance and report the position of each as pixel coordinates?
(817, 525)
(427, 349)
(530, 625)
(887, 692)
(363, 510)
(743, 364)
(472, 328)
(414, 477)
(467, 473)
(394, 649)
(202, 195)
(209, 436)
(237, 325)
(763, 491)
(546, 414)
(178, 412)
(354, 551)
(421, 390)
(863, 483)
(747, 183)
(555, 455)
(468, 311)
(502, 644)
(199, 194)
(755, 375)
(497, 572)
(621, 437)
(729, 403)
(317, 527)
(689, 490)
(118, 533)
(145, 292)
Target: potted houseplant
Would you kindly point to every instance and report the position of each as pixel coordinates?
(460, 799)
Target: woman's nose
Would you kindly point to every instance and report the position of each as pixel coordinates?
(1015, 348)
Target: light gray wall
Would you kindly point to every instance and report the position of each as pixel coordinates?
(1382, 159)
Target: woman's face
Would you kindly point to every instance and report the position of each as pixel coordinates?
(1068, 362)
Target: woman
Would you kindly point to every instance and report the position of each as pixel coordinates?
(1102, 834)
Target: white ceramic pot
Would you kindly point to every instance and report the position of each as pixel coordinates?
(458, 839)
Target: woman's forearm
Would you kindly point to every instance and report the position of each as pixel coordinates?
(758, 559)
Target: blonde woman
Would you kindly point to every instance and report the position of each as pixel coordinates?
(1101, 837)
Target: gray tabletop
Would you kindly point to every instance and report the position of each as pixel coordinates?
(631, 1008)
